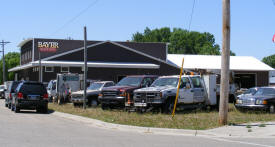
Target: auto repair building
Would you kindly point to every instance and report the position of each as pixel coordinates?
(107, 60)
(112, 60)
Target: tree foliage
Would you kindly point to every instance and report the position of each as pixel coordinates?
(181, 41)
(12, 59)
(269, 60)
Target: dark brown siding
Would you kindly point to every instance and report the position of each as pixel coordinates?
(262, 77)
(157, 50)
(64, 46)
(26, 53)
(107, 52)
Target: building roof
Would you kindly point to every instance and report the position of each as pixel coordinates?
(89, 64)
(213, 62)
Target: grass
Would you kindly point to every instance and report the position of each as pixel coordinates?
(199, 120)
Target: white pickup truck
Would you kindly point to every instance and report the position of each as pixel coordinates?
(195, 91)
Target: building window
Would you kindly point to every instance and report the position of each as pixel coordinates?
(64, 69)
(48, 69)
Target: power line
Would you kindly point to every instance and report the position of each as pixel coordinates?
(191, 17)
(75, 17)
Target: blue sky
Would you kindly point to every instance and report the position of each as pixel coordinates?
(252, 22)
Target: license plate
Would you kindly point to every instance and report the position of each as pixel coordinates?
(33, 97)
(140, 104)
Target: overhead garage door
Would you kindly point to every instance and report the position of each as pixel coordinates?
(245, 80)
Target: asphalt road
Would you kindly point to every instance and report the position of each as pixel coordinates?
(31, 129)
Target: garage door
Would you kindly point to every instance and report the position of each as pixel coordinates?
(245, 80)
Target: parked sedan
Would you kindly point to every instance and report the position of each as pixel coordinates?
(30, 95)
(263, 99)
(249, 92)
(10, 92)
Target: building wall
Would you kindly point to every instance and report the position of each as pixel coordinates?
(262, 77)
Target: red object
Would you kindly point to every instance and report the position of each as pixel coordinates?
(273, 39)
(45, 96)
(10, 95)
(20, 95)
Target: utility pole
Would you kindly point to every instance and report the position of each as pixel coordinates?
(3, 43)
(224, 89)
(85, 68)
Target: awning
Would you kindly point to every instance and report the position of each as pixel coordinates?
(89, 64)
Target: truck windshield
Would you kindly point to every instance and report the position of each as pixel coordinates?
(95, 86)
(166, 81)
(265, 91)
(130, 81)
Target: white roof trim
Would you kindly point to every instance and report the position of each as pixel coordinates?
(25, 66)
(212, 62)
(89, 64)
(24, 42)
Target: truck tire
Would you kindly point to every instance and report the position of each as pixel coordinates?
(16, 109)
(93, 103)
(45, 109)
(168, 106)
(104, 106)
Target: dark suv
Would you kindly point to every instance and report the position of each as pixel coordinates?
(10, 92)
(121, 94)
(30, 95)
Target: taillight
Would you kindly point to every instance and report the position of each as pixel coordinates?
(20, 95)
(45, 96)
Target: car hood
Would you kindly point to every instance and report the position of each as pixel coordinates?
(258, 97)
(116, 88)
(158, 88)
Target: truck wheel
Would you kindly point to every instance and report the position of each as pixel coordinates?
(45, 109)
(104, 106)
(272, 109)
(168, 106)
(94, 103)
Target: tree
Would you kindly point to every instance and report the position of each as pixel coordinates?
(269, 60)
(12, 59)
(181, 41)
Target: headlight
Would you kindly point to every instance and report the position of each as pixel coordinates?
(239, 101)
(159, 95)
(261, 102)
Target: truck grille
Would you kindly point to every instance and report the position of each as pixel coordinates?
(110, 93)
(145, 97)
